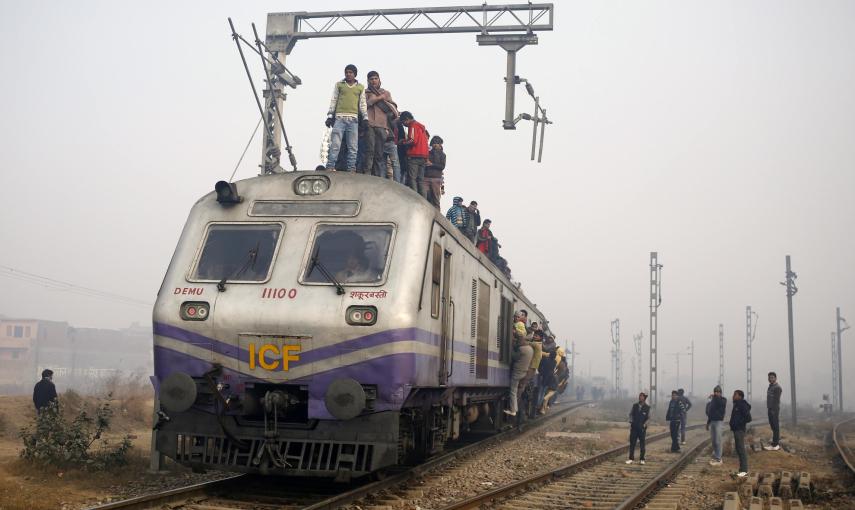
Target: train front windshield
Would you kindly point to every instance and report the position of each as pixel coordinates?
(352, 254)
(237, 252)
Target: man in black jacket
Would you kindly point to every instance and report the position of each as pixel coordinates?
(739, 417)
(675, 410)
(44, 392)
(773, 406)
(716, 408)
(638, 417)
(687, 404)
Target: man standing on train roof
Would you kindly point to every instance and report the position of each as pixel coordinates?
(773, 406)
(474, 221)
(485, 238)
(44, 392)
(687, 404)
(417, 152)
(458, 215)
(381, 111)
(639, 415)
(347, 106)
(433, 171)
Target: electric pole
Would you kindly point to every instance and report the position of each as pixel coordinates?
(655, 301)
(751, 319)
(692, 354)
(842, 326)
(615, 330)
(721, 355)
(677, 356)
(636, 339)
(835, 396)
(791, 291)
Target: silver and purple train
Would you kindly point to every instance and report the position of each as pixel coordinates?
(326, 324)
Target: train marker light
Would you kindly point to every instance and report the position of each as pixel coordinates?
(361, 315)
(313, 185)
(227, 193)
(194, 310)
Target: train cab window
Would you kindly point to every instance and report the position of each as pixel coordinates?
(436, 275)
(352, 254)
(237, 252)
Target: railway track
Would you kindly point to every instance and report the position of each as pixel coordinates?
(844, 439)
(602, 481)
(258, 493)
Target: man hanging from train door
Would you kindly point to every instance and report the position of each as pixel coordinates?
(347, 106)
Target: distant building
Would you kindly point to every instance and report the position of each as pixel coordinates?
(76, 355)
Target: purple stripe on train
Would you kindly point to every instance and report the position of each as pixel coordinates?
(363, 342)
(394, 376)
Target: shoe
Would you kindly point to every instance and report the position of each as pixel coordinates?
(682, 442)
(715, 462)
(641, 462)
(629, 461)
(742, 474)
(772, 448)
(509, 413)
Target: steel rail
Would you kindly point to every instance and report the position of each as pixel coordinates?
(203, 489)
(554, 474)
(840, 442)
(360, 492)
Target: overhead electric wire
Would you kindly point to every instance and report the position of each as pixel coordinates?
(54, 284)
(254, 131)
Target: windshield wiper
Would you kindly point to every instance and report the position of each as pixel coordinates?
(251, 257)
(330, 278)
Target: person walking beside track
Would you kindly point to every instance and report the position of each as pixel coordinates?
(739, 417)
(638, 418)
(687, 404)
(773, 406)
(675, 410)
(716, 408)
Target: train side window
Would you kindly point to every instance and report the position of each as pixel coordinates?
(505, 329)
(352, 254)
(436, 278)
(237, 252)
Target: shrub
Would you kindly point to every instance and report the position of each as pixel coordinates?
(53, 439)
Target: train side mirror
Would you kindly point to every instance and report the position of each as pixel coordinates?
(227, 193)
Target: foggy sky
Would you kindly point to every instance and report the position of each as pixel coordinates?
(719, 134)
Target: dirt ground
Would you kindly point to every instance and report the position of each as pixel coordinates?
(811, 451)
(24, 486)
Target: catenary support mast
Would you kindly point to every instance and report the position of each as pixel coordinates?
(511, 27)
(721, 355)
(835, 396)
(655, 301)
(842, 326)
(750, 330)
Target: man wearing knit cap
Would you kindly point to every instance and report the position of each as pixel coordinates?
(715, 423)
(458, 215)
(433, 171)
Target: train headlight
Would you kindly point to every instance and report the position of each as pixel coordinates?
(361, 315)
(194, 310)
(311, 185)
(227, 193)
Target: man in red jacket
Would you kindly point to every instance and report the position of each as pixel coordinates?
(417, 152)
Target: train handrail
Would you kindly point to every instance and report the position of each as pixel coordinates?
(451, 342)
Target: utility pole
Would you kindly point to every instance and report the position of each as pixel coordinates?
(692, 354)
(655, 301)
(721, 355)
(751, 319)
(636, 339)
(842, 326)
(791, 291)
(677, 355)
(835, 396)
(618, 375)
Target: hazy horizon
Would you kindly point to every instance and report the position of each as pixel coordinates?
(716, 134)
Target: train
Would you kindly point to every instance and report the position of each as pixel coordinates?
(327, 324)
